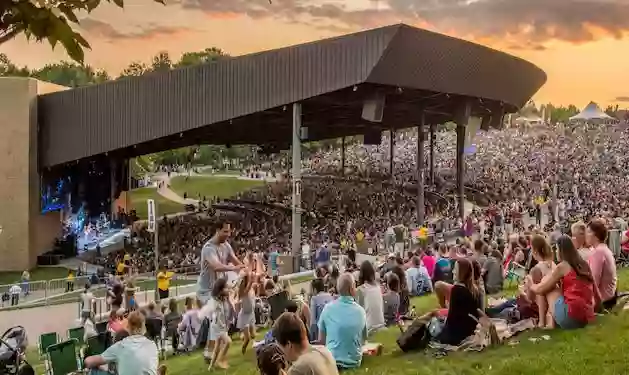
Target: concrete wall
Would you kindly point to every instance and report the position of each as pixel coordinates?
(25, 232)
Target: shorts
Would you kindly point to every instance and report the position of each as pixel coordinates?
(563, 319)
(163, 294)
(203, 296)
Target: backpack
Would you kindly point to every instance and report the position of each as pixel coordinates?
(416, 337)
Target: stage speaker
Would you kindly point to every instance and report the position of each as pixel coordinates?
(463, 112)
(497, 118)
(485, 122)
(373, 108)
(372, 137)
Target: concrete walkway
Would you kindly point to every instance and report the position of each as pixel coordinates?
(59, 318)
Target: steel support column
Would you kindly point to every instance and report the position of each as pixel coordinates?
(391, 151)
(343, 156)
(296, 180)
(462, 119)
(432, 154)
(421, 206)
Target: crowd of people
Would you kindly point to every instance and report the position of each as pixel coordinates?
(567, 181)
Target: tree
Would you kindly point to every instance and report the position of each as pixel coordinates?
(561, 113)
(135, 69)
(70, 74)
(8, 69)
(50, 20)
(208, 55)
(161, 62)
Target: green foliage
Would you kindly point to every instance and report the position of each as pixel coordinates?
(561, 113)
(49, 20)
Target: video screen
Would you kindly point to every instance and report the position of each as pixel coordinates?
(54, 195)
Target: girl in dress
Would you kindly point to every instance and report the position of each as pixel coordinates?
(220, 323)
(246, 316)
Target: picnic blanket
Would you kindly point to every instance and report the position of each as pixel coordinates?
(488, 333)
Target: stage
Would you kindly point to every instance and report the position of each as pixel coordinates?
(109, 239)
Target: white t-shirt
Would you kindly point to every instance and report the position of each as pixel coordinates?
(370, 298)
(15, 289)
(86, 301)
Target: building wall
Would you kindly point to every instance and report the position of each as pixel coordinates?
(25, 232)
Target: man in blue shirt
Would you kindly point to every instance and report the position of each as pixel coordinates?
(343, 325)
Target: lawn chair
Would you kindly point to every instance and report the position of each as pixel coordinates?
(277, 303)
(96, 345)
(45, 340)
(77, 334)
(154, 332)
(61, 358)
(516, 272)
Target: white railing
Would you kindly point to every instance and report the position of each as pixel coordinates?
(178, 292)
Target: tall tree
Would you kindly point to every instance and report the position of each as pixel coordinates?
(70, 74)
(208, 55)
(50, 20)
(135, 69)
(161, 62)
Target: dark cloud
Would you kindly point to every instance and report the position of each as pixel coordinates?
(106, 31)
(622, 99)
(524, 24)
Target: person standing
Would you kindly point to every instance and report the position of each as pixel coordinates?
(26, 279)
(163, 283)
(217, 258)
(87, 305)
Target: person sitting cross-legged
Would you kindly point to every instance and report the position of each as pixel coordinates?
(343, 325)
(133, 355)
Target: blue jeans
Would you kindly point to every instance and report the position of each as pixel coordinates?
(563, 319)
(496, 311)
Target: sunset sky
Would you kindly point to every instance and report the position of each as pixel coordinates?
(583, 45)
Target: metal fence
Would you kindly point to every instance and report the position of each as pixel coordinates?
(182, 286)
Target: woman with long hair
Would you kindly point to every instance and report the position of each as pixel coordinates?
(544, 256)
(246, 317)
(573, 307)
(369, 296)
(464, 306)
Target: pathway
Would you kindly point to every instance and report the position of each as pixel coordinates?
(166, 192)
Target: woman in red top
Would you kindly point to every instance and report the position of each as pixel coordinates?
(574, 307)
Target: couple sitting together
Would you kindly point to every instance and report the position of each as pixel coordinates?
(342, 328)
(567, 293)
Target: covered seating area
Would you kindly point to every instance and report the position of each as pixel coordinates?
(365, 83)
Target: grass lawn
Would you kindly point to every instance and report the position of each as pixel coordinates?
(208, 170)
(164, 206)
(37, 274)
(221, 187)
(598, 349)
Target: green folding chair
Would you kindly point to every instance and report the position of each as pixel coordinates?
(62, 358)
(96, 345)
(45, 340)
(77, 334)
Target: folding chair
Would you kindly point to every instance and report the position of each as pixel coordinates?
(62, 358)
(45, 340)
(516, 272)
(96, 345)
(154, 332)
(277, 303)
(77, 334)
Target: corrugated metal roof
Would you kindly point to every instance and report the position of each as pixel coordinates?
(92, 120)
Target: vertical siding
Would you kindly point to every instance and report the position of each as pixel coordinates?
(93, 120)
